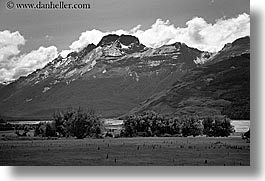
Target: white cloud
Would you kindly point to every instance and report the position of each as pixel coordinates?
(13, 65)
(197, 33)
(9, 44)
(27, 63)
(93, 36)
(64, 53)
(87, 37)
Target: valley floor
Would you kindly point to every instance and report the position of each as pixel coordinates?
(203, 151)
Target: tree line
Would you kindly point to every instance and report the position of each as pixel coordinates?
(150, 123)
(80, 124)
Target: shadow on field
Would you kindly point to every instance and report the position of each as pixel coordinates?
(234, 172)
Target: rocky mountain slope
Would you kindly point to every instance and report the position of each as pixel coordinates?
(220, 86)
(112, 77)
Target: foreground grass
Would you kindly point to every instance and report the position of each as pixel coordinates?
(127, 151)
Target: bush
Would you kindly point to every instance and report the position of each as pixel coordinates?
(77, 123)
(191, 126)
(246, 135)
(45, 129)
(217, 126)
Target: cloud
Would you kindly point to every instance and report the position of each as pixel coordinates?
(87, 37)
(13, 65)
(197, 33)
(64, 53)
(212, 37)
(93, 36)
(27, 63)
(9, 44)
(160, 33)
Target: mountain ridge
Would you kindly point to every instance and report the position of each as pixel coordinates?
(113, 77)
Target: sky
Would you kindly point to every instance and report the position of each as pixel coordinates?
(29, 38)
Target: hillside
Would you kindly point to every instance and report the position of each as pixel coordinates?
(220, 86)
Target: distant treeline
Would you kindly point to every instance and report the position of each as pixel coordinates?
(152, 124)
(82, 123)
(4, 126)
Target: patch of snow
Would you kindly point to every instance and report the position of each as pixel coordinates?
(6, 82)
(55, 82)
(94, 62)
(205, 57)
(124, 46)
(57, 64)
(68, 82)
(28, 100)
(137, 77)
(64, 70)
(46, 89)
(84, 70)
(175, 56)
(69, 74)
(200, 60)
(154, 63)
(46, 73)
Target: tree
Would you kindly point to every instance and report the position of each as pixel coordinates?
(191, 126)
(217, 126)
(77, 123)
(60, 123)
(45, 129)
(150, 123)
(246, 135)
(50, 130)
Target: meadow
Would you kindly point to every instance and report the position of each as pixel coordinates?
(166, 151)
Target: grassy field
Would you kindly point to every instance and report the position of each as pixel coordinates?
(232, 151)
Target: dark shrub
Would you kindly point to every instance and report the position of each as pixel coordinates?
(77, 123)
(45, 129)
(191, 126)
(217, 126)
(246, 135)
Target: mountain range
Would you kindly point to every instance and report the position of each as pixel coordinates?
(121, 76)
